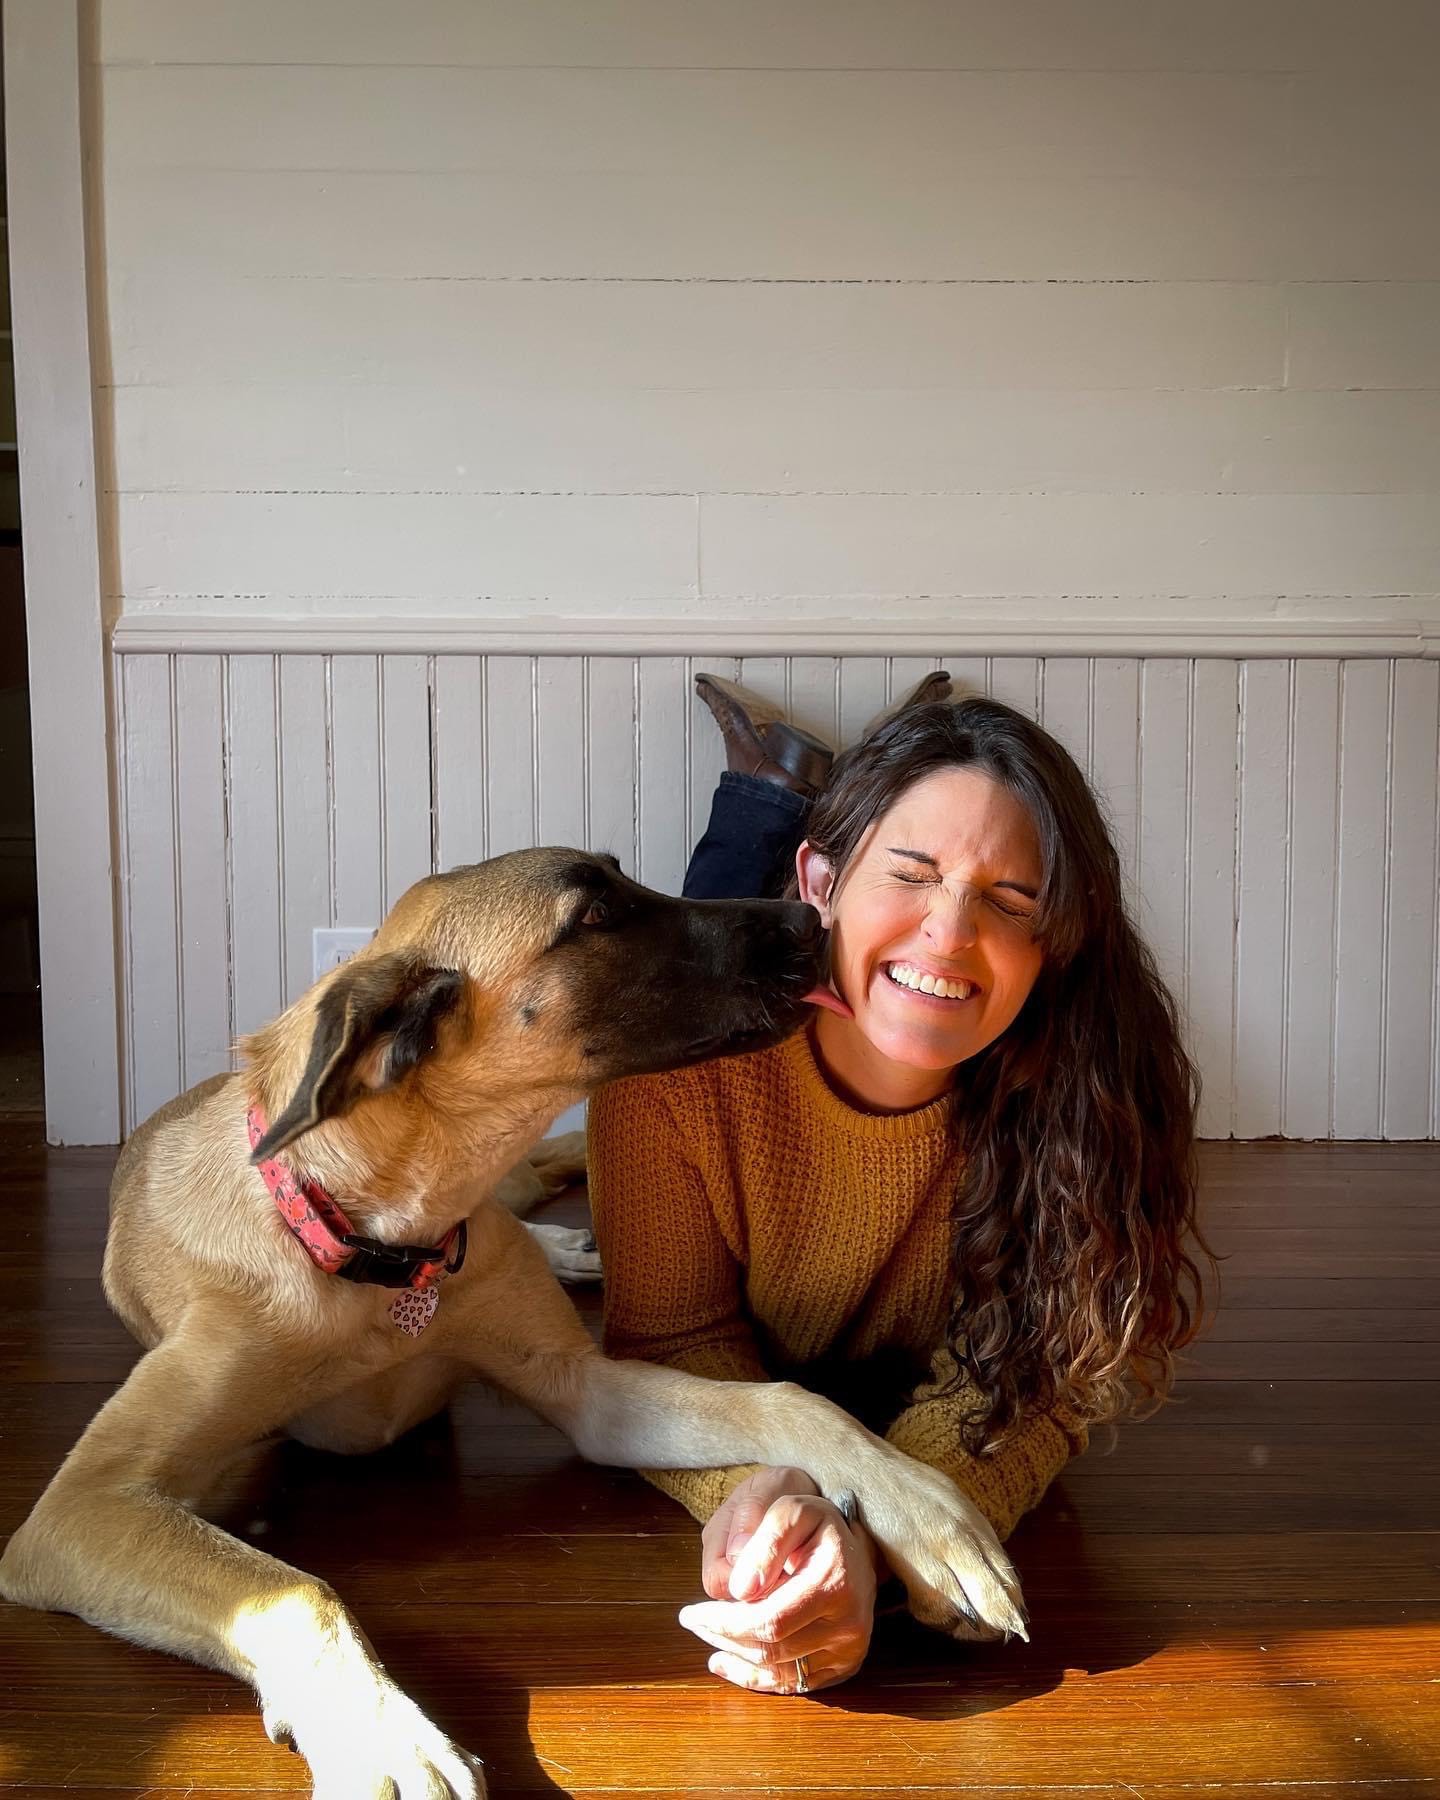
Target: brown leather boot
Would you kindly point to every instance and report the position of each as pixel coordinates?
(937, 685)
(759, 740)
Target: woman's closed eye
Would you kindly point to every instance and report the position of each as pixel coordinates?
(1018, 910)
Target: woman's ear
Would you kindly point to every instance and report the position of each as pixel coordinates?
(815, 878)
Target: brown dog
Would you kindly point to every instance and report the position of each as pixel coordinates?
(400, 1089)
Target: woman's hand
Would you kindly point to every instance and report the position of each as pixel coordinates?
(788, 1578)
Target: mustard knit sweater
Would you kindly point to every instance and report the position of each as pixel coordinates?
(745, 1212)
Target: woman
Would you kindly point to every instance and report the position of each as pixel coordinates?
(958, 1203)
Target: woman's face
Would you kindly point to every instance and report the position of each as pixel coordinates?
(931, 940)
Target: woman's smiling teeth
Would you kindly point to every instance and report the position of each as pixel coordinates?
(920, 981)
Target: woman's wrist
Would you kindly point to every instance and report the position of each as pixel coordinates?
(770, 1482)
(789, 1480)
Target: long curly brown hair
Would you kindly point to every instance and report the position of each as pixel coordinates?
(1074, 1220)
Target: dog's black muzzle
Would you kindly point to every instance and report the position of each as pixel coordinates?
(703, 978)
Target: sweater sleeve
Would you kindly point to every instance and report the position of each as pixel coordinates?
(671, 1250)
(1004, 1483)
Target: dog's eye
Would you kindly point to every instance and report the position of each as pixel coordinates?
(597, 913)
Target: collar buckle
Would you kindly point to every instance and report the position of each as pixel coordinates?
(399, 1265)
(386, 1265)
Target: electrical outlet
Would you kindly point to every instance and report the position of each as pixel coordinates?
(333, 945)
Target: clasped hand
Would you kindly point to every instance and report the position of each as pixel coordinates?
(787, 1577)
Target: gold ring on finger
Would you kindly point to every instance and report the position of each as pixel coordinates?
(802, 1676)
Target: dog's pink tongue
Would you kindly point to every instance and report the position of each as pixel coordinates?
(829, 999)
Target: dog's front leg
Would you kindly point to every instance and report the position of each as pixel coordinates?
(113, 1539)
(943, 1548)
(644, 1416)
(940, 1544)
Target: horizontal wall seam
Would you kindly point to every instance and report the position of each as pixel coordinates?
(156, 633)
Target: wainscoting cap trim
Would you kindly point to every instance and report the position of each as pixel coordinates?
(159, 633)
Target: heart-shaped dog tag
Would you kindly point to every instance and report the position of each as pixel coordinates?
(413, 1310)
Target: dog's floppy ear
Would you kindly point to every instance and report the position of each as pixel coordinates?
(374, 1023)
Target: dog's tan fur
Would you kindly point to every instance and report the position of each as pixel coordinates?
(245, 1338)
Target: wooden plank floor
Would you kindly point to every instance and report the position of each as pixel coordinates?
(1242, 1600)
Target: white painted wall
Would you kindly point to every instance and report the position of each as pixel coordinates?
(1276, 820)
(676, 310)
(943, 326)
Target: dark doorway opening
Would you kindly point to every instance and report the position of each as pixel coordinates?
(22, 1093)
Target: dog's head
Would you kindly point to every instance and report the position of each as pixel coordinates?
(541, 971)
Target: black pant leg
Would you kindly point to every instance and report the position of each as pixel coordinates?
(749, 846)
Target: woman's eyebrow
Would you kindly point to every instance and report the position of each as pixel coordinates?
(923, 856)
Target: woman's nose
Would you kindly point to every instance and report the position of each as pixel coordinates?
(950, 925)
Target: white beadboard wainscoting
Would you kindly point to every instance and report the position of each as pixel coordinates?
(1277, 817)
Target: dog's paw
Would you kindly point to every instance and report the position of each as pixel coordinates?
(384, 1748)
(558, 1162)
(945, 1550)
(571, 1253)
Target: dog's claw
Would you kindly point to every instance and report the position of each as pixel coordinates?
(279, 1731)
(569, 1250)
